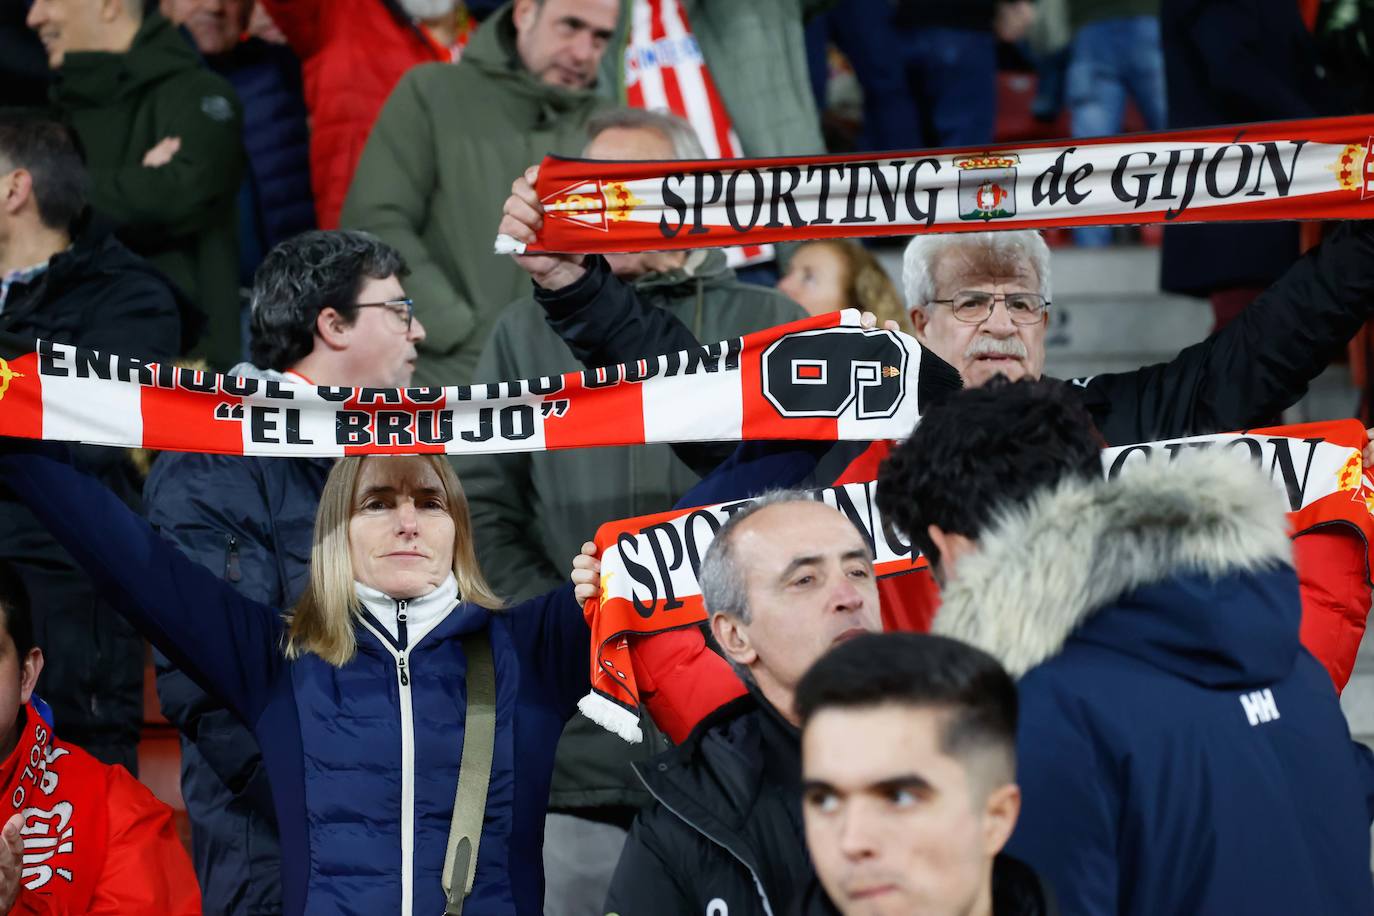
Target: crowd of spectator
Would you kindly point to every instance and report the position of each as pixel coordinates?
(307, 191)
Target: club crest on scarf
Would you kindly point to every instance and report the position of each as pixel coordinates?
(987, 186)
(1354, 168)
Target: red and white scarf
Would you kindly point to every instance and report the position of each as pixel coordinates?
(823, 378)
(649, 564)
(1314, 169)
(664, 70)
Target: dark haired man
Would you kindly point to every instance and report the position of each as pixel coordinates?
(328, 309)
(79, 836)
(162, 136)
(1179, 750)
(87, 289)
(915, 823)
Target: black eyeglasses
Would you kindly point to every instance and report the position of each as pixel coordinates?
(975, 306)
(401, 308)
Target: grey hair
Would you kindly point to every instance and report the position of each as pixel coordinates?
(676, 130)
(923, 251)
(720, 576)
(304, 275)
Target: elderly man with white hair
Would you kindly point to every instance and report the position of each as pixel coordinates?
(981, 301)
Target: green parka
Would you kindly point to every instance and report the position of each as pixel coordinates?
(531, 512)
(435, 173)
(756, 50)
(181, 216)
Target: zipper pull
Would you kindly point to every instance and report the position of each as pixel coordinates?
(401, 605)
(231, 561)
(401, 666)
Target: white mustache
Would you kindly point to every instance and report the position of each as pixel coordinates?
(995, 346)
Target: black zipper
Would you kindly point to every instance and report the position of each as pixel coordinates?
(232, 572)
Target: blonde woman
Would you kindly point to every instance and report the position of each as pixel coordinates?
(833, 274)
(357, 695)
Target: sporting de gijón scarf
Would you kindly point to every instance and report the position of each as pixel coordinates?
(1309, 169)
(822, 378)
(649, 564)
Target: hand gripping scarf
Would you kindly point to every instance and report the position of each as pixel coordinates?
(649, 564)
(1312, 169)
(822, 378)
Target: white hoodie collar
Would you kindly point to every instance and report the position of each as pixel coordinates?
(422, 614)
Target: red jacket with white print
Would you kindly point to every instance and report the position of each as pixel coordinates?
(96, 841)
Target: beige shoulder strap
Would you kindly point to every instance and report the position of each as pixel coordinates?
(474, 773)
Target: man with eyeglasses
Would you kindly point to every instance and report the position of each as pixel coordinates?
(981, 301)
(328, 308)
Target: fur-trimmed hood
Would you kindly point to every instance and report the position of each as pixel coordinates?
(1185, 564)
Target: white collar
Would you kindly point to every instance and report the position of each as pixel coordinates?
(422, 614)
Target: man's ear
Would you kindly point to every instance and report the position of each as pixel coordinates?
(333, 328)
(733, 639)
(17, 190)
(524, 13)
(919, 319)
(30, 667)
(1000, 812)
(951, 547)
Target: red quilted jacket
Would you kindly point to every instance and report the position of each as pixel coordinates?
(353, 52)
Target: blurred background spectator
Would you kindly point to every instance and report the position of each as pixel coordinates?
(1235, 62)
(274, 201)
(861, 30)
(1114, 54)
(162, 138)
(441, 158)
(950, 53)
(24, 73)
(737, 72)
(835, 274)
(353, 52)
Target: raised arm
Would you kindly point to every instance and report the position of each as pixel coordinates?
(1258, 365)
(230, 645)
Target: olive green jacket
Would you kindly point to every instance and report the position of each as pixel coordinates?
(531, 512)
(181, 216)
(435, 173)
(756, 52)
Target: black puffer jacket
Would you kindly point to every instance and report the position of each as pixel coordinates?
(95, 294)
(725, 834)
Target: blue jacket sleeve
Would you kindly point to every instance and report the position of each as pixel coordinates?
(553, 640)
(1068, 827)
(211, 508)
(227, 643)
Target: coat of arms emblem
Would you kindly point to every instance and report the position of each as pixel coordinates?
(987, 186)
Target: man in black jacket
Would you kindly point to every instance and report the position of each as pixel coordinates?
(93, 292)
(1241, 376)
(784, 580)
